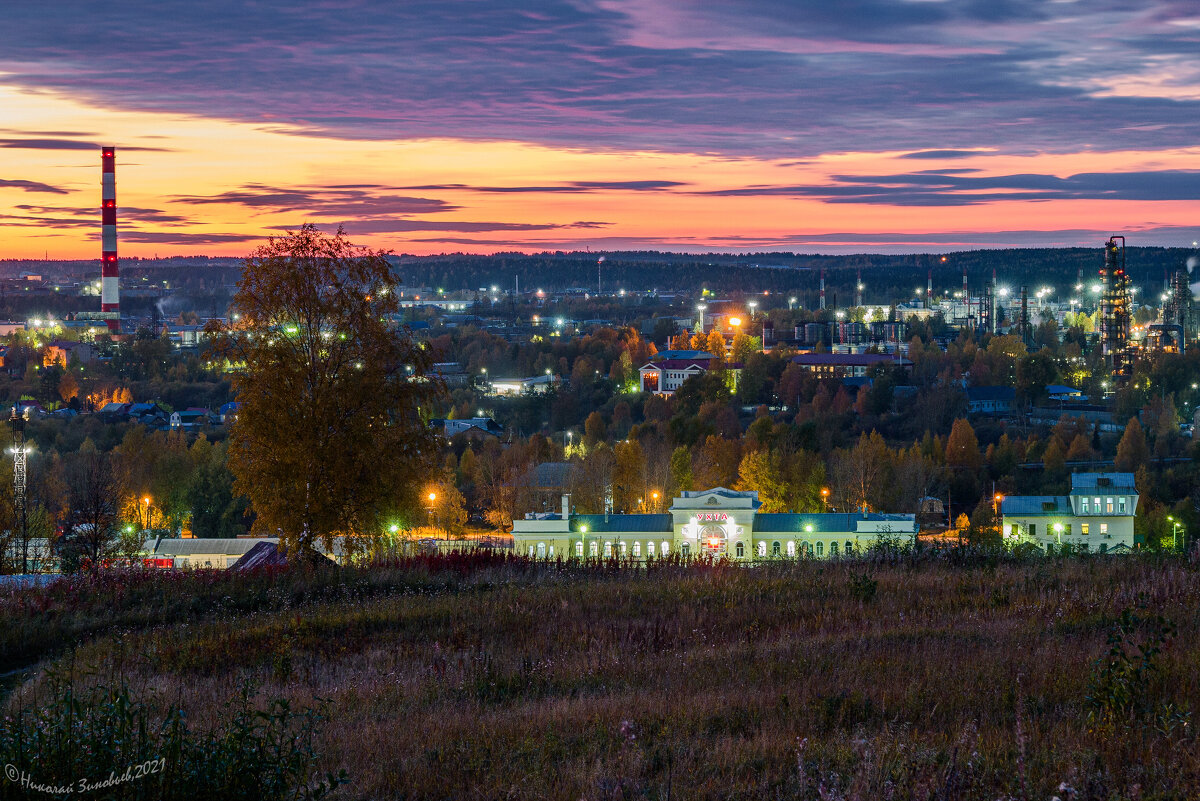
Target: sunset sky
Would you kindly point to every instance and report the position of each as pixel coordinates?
(430, 126)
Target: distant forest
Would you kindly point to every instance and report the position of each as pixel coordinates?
(886, 278)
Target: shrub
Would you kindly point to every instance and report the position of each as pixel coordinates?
(104, 735)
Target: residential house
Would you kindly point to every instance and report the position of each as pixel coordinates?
(847, 365)
(992, 401)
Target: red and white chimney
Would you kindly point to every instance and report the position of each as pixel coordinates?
(109, 288)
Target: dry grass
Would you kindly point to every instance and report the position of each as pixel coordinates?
(785, 681)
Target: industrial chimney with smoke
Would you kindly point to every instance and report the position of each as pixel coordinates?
(110, 304)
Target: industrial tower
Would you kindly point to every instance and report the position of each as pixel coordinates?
(1114, 310)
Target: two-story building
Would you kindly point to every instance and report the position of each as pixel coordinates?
(717, 522)
(1097, 515)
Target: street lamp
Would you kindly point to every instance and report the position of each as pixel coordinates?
(1175, 527)
(583, 539)
(825, 497)
(432, 499)
(1058, 530)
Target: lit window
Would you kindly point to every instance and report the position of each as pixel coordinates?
(608, 550)
(762, 549)
(820, 549)
(685, 550)
(666, 549)
(650, 549)
(1096, 503)
(579, 549)
(1108, 505)
(622, 547)
(791, 548)
(1083, 528)
(1104, 529)
(541, 550)
(551, 551)
(637, 550)
(594, 549)
(530, 550)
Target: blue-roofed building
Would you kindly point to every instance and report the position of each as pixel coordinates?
(1097, 515)
(719, 522)
(991, 400)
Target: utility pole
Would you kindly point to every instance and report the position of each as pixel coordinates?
(19, 452)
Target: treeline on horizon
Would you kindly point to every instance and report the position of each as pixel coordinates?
(887, 278)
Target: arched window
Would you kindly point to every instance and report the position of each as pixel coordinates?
(622, 547)
(579, 549)
(849, 547)
(593, 548)
(833, 549)
(608, 550)
(685, 550)
(650, 549)
(762, 549)
(541, 552)
(740, 550)
(666, 549)
(820, 549)
(531, 551)
(774, 549)
(805, 549)
(791, 548)
(551, 551)
(637, 550)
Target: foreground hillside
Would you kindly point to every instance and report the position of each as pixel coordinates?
(483, 677)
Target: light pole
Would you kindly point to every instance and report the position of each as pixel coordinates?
(432, 499)
(1175, 526)
(583, 540)
(20, 453)
(146, 513)
(825, 497)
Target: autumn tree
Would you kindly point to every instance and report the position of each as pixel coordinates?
(962, 448)
(1132, 450)
(92, 529)
(330, 438)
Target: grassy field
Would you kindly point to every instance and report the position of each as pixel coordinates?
(479, 677)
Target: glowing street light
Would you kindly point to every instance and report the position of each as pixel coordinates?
(735, 321)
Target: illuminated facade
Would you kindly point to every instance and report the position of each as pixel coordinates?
(1097, 515)
(717, 522)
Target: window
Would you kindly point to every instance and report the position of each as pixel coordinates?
(1067, 529)
(579, 549)
(685, 550)
(608, 550)
(1033, 529)
(849, 547)
(805, 549)
(774, 549)
(621, 546)
(820, 549)
(637, 550)
(1104, 529)
(1083, 528)
(530, 551)
(1096, 504)
(594, 548)
(1120, 506)
(833, 549)
(650, 549)
(541, 551)
(1083, 507)
(1108, 506)
(551, 551)
(666, 549)
(762, 549)
(740, 550)
(791, 548)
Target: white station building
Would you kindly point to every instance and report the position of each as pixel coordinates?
(716, 522)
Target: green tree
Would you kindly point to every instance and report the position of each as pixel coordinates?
(330, 438)
(681, 469)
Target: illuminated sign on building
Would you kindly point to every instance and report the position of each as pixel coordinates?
(712, 516)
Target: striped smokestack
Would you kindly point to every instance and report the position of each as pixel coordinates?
(109, 291)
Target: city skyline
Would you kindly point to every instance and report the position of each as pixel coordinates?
(616, 124)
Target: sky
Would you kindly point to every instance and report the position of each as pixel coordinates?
(434, 126)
